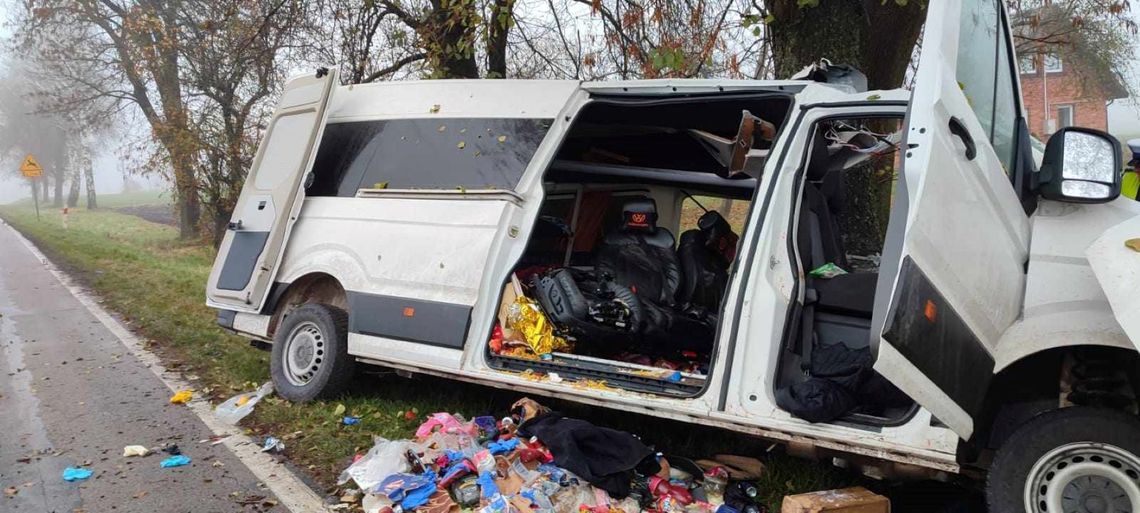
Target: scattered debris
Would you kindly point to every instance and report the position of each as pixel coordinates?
(11, 491)
(239, 406)
(182, 397)
(171, 449)
(135, 450)
(175, 461)
(139, 495)
(272, 444)
(351, 420)
(339, 410)
(71, 474)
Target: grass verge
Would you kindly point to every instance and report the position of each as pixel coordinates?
(156, 283)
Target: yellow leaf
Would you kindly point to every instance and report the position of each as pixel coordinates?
(339, 410)
(461, 145)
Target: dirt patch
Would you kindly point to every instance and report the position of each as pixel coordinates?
(161, 214)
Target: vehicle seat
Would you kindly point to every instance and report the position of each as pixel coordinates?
(640, 255)
(705, 255)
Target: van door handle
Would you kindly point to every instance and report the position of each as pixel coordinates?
(234, 225)
(958, 129)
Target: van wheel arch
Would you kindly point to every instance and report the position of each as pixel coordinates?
(318, 287)
(1040, 382)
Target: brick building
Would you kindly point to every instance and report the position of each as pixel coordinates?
(1073, 98)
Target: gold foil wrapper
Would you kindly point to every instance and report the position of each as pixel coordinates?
(525, 317)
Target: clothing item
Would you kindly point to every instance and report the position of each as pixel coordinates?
(606, 458)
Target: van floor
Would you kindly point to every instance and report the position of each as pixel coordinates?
(592, 371)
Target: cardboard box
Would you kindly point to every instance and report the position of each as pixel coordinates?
(846, 500)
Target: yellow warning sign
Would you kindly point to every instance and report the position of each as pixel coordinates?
(30, 168)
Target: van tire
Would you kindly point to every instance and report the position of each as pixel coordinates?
(310, 354)
(1041, 450)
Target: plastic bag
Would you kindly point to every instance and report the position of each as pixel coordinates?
(827, 271)
(238, 406)
(384, 459)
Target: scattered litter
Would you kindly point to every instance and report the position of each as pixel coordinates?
(351, 420)
(76, 474)
(237, 407)
(339, 410)
(175, 461)
(272, 444)
(553, 377)
(217, 464)
(135, 450)
(182, 397)
(11, 491)
(384, 459)
(139, 495)
(171, 449)
(827, 271)
(214, 440)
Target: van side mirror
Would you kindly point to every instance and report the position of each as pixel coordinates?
(1081, 165)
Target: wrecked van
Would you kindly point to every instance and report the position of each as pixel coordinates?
(693, 250)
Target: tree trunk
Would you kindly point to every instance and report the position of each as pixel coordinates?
(57, 200)
(44, 190)
(89, 182)
(73, 189)
(497, 28)
(450, 36)
(221, 220)
(874, 36)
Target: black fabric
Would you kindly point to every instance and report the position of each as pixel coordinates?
(606, 458)
(816, 400)
(852, 293)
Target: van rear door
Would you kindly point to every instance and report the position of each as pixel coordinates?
(953, 275)
(251, 248)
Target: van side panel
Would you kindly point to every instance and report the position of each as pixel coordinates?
(411, 267)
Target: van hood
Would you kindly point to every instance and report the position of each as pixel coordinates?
(1117, 268)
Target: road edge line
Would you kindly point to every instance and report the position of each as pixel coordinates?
(291, 491)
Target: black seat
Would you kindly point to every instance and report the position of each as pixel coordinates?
(632, 292)
(640, 255)
(705, 255)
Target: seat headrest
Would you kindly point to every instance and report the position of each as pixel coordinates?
(639, 215)
(718, 235)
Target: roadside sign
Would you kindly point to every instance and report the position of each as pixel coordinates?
(30, 168)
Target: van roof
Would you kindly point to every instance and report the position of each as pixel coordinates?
(499, 98)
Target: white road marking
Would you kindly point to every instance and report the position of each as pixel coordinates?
(293, 493)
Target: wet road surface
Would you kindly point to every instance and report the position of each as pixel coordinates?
(72, 395)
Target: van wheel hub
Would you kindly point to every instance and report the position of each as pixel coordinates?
(304, 352)
(1084, 477)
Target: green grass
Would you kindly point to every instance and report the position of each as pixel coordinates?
(149, 277)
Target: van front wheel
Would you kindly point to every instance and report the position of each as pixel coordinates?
(1082, 460)
(310, 353)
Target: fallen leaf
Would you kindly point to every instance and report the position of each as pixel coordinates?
(339, 410)
(140, 494)
(11, 491)
(442, 128)
(502, 138)
(461, 145)
(1133, 244)
(434, 109)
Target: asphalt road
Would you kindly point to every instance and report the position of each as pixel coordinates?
(71, 394)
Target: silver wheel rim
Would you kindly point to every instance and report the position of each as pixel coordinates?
(1084, 477)
(304, 353)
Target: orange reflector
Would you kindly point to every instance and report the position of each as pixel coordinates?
(409, 311)
(930, 311)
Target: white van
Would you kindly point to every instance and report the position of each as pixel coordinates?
(986, 324)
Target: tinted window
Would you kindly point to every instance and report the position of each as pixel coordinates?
(430, 153)
(977, 48)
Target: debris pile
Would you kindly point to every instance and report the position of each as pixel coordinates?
(537, 460)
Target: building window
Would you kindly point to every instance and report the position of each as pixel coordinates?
(1027, 65)
(1064, 116)
(1053, 63)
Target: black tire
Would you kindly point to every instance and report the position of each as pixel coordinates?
(331, 367)
(1109, 430)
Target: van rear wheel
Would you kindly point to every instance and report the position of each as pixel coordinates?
(1079, 460)
(310, 353)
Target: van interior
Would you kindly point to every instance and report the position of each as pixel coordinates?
(630, 257)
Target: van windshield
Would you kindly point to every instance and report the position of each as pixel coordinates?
(428, 153)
